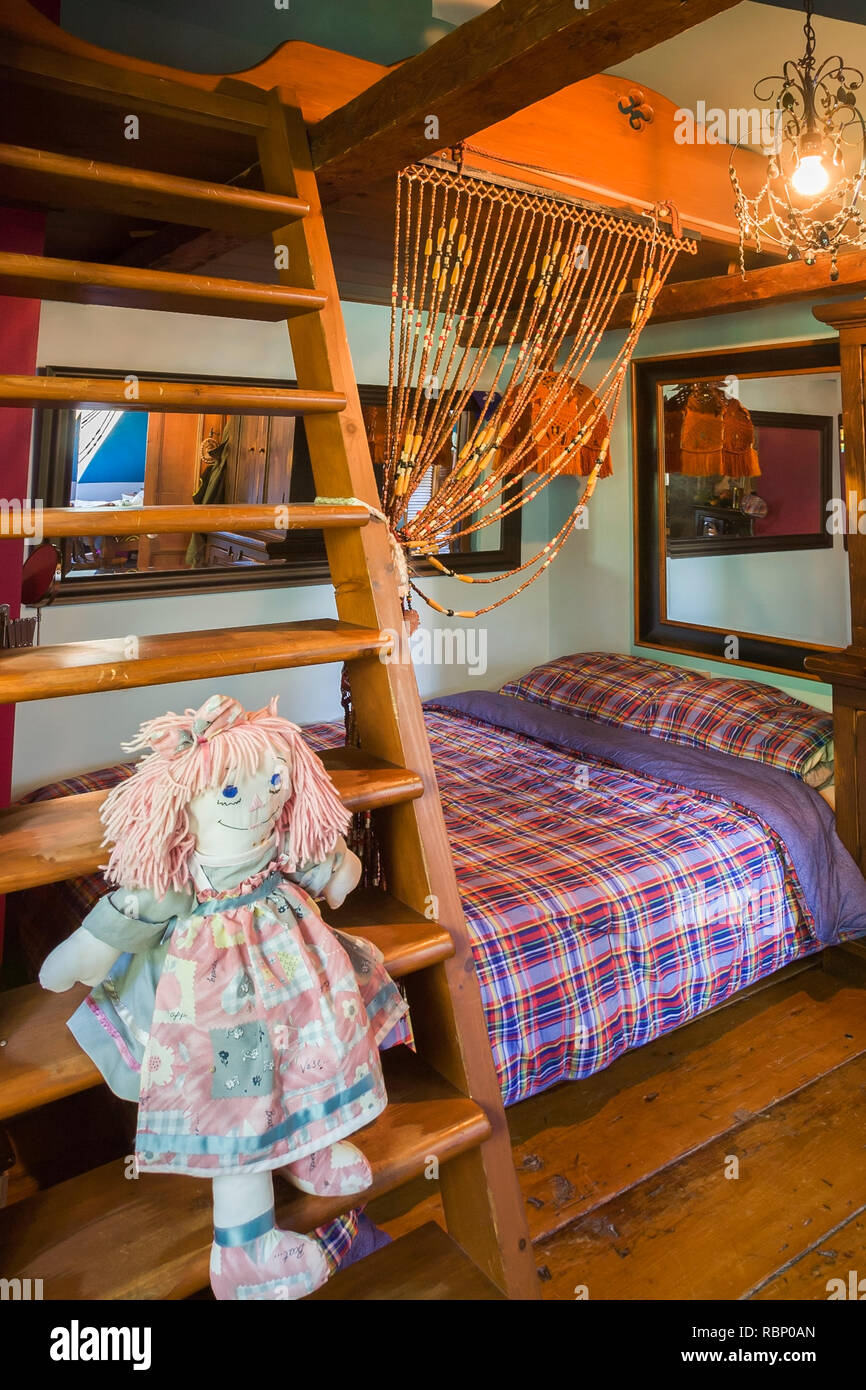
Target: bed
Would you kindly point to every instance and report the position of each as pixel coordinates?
(616, 884)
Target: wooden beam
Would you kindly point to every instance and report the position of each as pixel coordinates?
(516, 53)
(731, 294)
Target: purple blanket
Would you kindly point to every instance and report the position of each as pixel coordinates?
(831, 883)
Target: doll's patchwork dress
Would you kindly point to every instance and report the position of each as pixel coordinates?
(246, 1029)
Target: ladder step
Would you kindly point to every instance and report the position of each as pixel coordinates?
(49, 841)
(104, 1235)
(61, 392)
(40, 1061)
(161, 521)
(65, 181)
(122, 663)
(37, 1064)
(422, 1266)
(408, 941)
(80, 282)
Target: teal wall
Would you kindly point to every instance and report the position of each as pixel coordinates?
(228, 36)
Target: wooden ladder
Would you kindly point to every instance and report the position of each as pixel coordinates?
(98, 1235)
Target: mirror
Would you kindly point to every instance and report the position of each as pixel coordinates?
(739, 455)
(110, 460)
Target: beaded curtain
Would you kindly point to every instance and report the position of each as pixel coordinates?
(494, 285)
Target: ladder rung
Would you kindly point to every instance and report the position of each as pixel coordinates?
(81, 282)
(40, 1061)
(142, 393)
(48, 841)
(122, 663)
(408, 941)
(65, 181)
(163, 1224)
(422, 1266)
(162, 521)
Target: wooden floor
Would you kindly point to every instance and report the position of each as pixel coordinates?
(725, 1161)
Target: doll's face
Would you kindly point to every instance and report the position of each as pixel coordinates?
(240, 814)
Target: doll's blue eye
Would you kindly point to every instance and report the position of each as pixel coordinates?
(230, 793)
(276, 781)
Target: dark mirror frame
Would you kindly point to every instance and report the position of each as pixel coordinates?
(652, 627)
(307, 562)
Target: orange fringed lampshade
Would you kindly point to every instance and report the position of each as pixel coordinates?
(739, 455)
(577, 408)
(708, 433)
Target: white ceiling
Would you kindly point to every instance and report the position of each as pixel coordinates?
(720, 60)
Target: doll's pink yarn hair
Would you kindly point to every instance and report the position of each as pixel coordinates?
(145, 817)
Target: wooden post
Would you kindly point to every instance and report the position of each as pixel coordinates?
(845, 671)
(483, 1206)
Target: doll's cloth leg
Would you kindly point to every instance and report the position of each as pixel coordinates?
(335, 1171)
(251, 1258)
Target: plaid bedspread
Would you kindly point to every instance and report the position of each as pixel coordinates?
(605, 908)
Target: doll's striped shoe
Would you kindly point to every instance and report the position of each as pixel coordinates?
(259, 1261)
(336, 1171)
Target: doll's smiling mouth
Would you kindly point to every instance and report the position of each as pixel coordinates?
(254, 826)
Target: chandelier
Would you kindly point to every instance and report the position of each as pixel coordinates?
(809, 203)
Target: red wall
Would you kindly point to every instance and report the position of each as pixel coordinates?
(19, 329)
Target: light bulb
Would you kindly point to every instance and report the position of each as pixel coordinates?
(810, 176)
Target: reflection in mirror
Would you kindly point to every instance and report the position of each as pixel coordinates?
(112, 460)
(121, 459)
(486, 539)
(747, 468)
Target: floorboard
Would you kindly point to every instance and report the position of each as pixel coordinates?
(703, 1228)
(624, 1173)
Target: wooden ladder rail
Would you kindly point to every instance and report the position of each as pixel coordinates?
(483, 1207)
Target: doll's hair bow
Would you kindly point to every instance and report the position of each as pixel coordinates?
(171, 734)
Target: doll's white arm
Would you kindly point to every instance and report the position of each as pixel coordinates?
(82, 956)
(121, 922)
(334, 877)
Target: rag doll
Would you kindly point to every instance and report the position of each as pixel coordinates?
(246, 1029)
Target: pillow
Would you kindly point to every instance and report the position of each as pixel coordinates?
(739, 717)
(820, 775)
(603, 686)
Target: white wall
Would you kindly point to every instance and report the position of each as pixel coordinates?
(55, 738)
